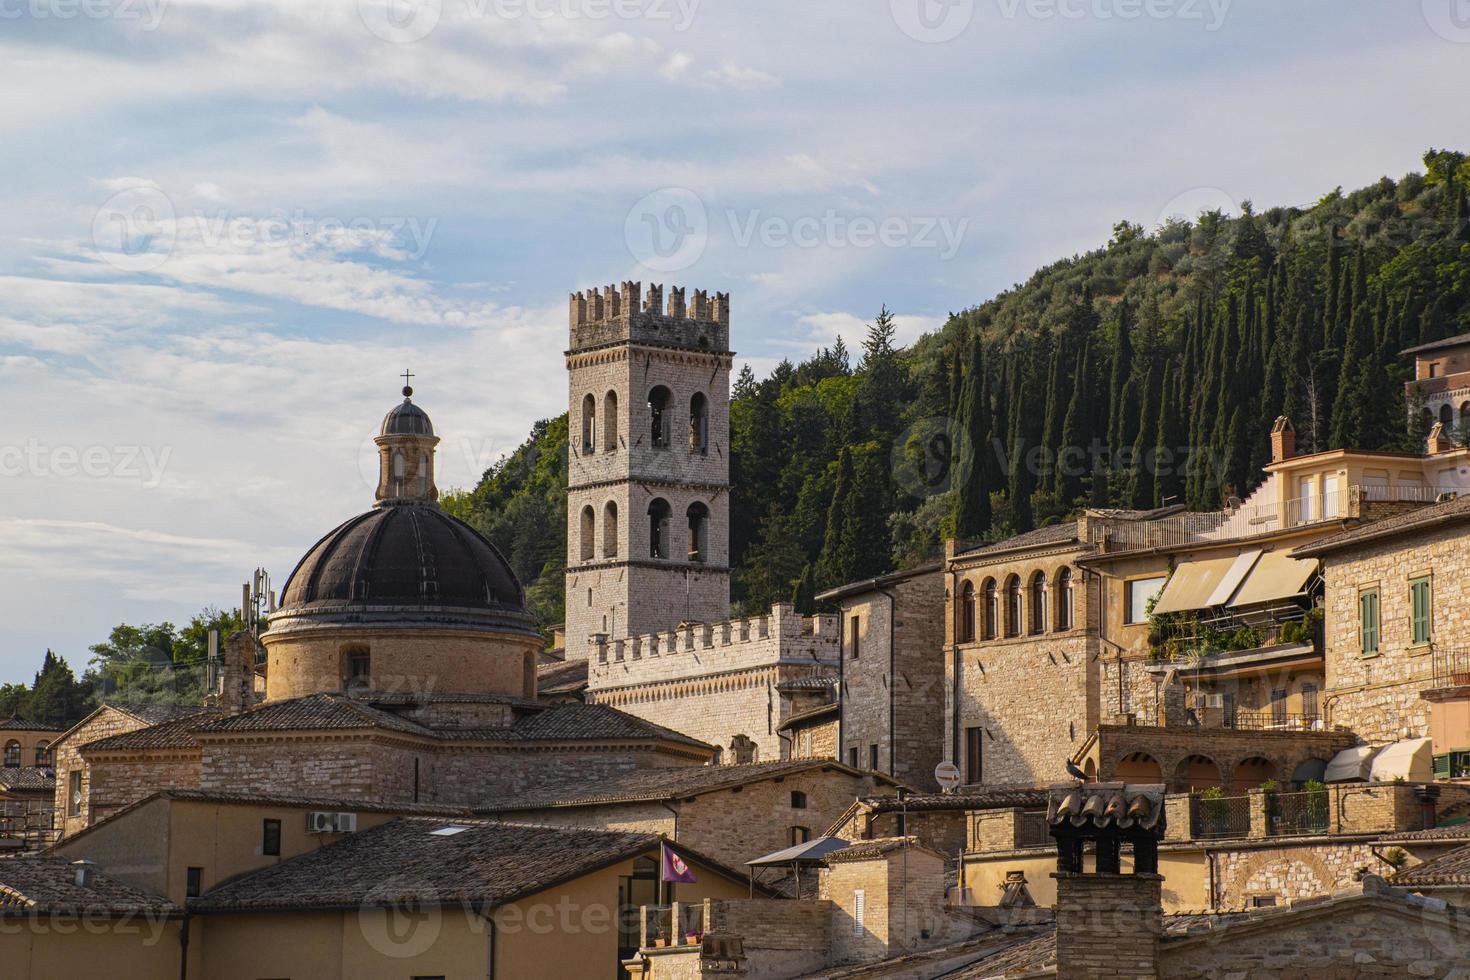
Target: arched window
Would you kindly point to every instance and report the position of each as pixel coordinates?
(798, 800)
(992, 610)
(399, 470)
(12, 753)
(357, 666)
(1447, 415)
(698, 423)
(1013, 606)
(659, 401)
(658, 529)
(610, 422)
(967, 613)
(1465, 417)
(589, 425)
(43, 753)
(1064, 600)
(1040, 598)
(610, 530)
(589, 533)
(424, 475)
(698, 532)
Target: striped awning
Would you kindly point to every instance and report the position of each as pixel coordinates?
(1275, 577)
(1192, 584)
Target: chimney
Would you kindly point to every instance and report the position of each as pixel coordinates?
(237, 673)
(1439, 440)
(1283, 440)
(1108, 923)
(84, 871)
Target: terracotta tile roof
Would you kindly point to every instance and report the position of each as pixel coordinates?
(1448, 869)
(1450, 512)
(314, 712)
(484, 865)
(995, 799)
(1455, 341)
(811, 714)
(588, 722)
(32, 885)
(14, 724)
(865, 850)
(562, 678)
(1105, 804)
(1445, 834)
(176, 734)
(400, 698)
(1034, 953)
(874, 584)
(153, 714)
(1064, 532)
(808, 683)
(664, 783)
(28, 778)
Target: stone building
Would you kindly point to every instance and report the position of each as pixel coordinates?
(891, 672)
(648, 530)
(401, 666)
(1441, 384)
(27, 743)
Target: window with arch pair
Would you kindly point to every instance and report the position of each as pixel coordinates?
(661, 421)
(606, 439)
(609, 532)
(660, 519)
(995, 610)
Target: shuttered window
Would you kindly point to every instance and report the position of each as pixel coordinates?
(1368, 609)
(1419, 610)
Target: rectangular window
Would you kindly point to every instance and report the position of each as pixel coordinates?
(1419, 600)
(1309, 700)
(852, 756)
(873, 757)
(974, 754)
(270, 838)
(193, 886)
(859, 907)
(1278, 705)
(74, 793)
(1368, 621)
(854, 627)
(1141, 593)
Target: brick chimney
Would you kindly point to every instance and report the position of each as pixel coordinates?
(237, 673)
(1439, 440)
(1283, 440)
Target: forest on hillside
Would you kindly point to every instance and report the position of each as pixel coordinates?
(1147, 371)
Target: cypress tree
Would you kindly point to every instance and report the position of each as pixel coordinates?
(1071, 445)
(972, 517)
(839, 561)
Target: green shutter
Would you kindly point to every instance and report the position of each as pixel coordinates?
(1368, 607)
(1419, 600)
(1442, 766)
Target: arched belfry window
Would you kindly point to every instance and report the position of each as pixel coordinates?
(1040, 598)
(1013, 606)
(967, 613)
(589, 425)
(610, 422)
(698, 532)
(1447, 415)
(400, 469)
(992, 610)
(1064, 600)
(589, 533)
(423, 474)
(610, 530)
(658, 529)
(12, 753)
(660, 401)
(699, 423)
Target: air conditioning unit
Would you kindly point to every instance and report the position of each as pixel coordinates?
(346, 823)
(320, 823)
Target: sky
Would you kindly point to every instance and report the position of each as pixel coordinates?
(228, 227)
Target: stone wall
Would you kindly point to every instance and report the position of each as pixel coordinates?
(104, 723)
(1378, 696)
(1108, 926)
(1227, 748)
(1304, 870)
(718, 681)
(347, 767)
(1034, 697)
(891, 688)
(117, 779)
(816, 739)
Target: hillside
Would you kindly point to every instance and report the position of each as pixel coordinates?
(1157, 362)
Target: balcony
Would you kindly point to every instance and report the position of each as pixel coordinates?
(1451, 667)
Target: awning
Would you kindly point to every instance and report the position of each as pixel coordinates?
(1411, 760)
(1277, 576)
(1350, 765)
(810, 852)
(1309, 770)
(1239, 569)
(1192, 584)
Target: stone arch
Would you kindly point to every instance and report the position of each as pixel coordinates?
(12, 754)
(1065, 600)
(1039, 598)
(967, 612)
(990, 620)
(660, 416)
(588, 539)
(610, 529)
(659, 514)
(589, 424)
(1447, 415)
(698, 423)
(698, 517)
(1138, 767)
(1197, 772)
(610, 422)
(1303, 874)
(1250, 773)
(1014, 613)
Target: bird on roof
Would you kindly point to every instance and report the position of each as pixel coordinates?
(1076, 773)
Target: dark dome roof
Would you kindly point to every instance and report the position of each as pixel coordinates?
(409, 564)
(407, 419)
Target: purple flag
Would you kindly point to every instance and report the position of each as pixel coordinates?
(675, 867)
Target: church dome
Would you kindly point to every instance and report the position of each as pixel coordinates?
(407, 565)
(407, 419)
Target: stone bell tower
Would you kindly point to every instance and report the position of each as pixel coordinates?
(648, 500)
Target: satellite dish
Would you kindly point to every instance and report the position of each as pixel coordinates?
(947, 775)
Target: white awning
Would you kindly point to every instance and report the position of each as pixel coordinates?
(1192, 584)
(1411, 760)
(1278, 576)
(1239, 569)
(1350, 765)
(810, 852)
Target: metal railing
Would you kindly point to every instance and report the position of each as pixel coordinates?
(1452, 667)
(1033, 830)
(1219, 817)
(1299, 813)
(1275, 721)
(659, 926)
(34, 825)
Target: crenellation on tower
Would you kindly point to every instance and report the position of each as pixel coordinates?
(621, 314)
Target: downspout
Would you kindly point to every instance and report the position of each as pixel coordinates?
(892, 683)
(841, 685)
(954, 581)
(665, 805)
(490, 934)
(1210, 859)
(184, 948)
